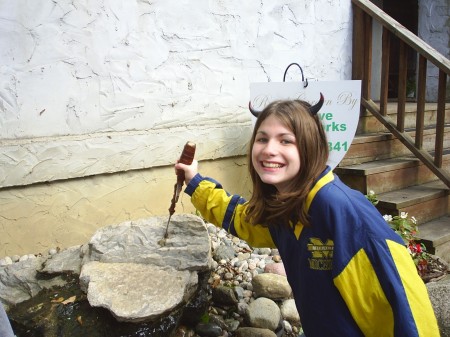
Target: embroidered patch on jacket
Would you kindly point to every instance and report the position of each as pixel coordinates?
(321, 254)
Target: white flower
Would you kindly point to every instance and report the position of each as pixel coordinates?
(371, 192)
(387, 217)
(414, 220)
(403, 215)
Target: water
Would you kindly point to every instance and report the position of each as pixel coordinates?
(45, 315)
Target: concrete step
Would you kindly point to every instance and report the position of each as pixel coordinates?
(425, 202)
(435, 234)
(386, 175)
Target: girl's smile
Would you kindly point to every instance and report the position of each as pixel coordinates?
(274, 154)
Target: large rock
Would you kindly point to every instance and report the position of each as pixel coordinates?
(440, 299)
(254, 332)
(66, 261)
(123, 268)
(273, 286)
(186, 248)
(263, 313)
(20, 281)
(136, 292)
(289, 311)
(149, 278)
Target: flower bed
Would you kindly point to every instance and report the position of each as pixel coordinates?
(428, 266)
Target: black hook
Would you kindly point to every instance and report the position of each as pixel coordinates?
(305, 81)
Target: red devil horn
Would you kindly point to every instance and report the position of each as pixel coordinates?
(315, 108)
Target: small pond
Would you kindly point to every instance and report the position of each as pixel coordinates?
(65, 312)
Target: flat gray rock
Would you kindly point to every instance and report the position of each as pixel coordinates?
(19, 281)
(66, 261)
(136, 292)
(186, 248)
(127, 270)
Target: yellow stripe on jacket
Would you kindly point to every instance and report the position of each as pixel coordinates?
(213, 203)
(366, 300)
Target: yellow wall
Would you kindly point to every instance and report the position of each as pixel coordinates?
(61, 214)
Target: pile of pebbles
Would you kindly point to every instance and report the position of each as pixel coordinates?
(237, 307)
(17, 258)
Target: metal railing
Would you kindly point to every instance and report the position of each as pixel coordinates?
(364, 12)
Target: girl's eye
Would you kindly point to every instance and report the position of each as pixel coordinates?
(287, 141)
(260, 140)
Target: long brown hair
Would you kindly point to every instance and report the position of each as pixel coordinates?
(269, 207)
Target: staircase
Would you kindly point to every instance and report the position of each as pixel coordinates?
(402, 148)
(378, 161)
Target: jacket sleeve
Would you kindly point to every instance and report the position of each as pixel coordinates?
(226, 211)
(376, 276)
(392, 301)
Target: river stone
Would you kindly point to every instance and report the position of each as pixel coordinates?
(224, 295)
(186, 248)
(289, 311)
(254, 332)
(208, 329)
(224, 252)
(275, 268)
(263, 313)
(66, 261)
(135, 292)
(273, 286)
(19, 281)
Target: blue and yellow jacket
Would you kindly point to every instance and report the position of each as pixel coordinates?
(350, 273)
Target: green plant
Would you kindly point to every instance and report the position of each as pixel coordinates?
(406, 227)
(372, 197)
(205, 318)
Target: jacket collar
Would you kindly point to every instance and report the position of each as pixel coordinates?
(325, 177)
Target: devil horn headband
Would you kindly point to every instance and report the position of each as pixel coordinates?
(313, 109)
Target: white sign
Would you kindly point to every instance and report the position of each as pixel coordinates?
(339, 113)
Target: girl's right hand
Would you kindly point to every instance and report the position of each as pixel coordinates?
(189, 170)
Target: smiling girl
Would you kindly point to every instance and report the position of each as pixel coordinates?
(350, 273)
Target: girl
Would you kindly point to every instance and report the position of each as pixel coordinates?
(350, 273)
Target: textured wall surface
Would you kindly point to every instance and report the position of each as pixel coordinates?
(68, 212)
(104, 86)
(434, 28)
(95, 92)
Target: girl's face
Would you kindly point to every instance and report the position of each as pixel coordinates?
(275, 154)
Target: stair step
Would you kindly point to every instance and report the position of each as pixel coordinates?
(435, 235)
(370, 124)
(380, 176)
(370, 147)
(388, 174)
(425, 202)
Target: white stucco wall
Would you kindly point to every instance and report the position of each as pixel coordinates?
(434, 29)
(88, 87)
(119, 86)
